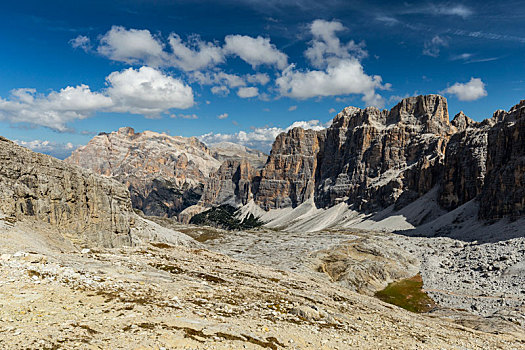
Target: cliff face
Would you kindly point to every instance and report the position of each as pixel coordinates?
(231, 184)
(465, 162)
(89, 209)
(372, 159)
(377, 158)
(288, 178)
(164, 174)
(504, 190)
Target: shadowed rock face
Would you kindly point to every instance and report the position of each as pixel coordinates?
(165, 174)
(288, 178)
(230, 184)
(504, 190)
(465, 162)
(88, 208)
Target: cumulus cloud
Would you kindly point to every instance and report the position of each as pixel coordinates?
(347, 77)
(292, 108)
(132, 46)
(247, 92)
(81, 42)
(255, 51)
(433, 47)
(147, 91)
(332, 110)
(222, 116)
(55, 149)
(194, 55)
(220, 90)
(53, 110)
(136, 46)
(144, 91)
(259, 138)
(340, 71)
(259, 78)
(473, 90)
(326, 48)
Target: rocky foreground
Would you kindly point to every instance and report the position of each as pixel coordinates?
(57, 296)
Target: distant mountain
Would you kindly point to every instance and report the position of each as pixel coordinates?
(165, 174)
(232, 151)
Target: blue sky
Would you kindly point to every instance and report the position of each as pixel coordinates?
(245, 70)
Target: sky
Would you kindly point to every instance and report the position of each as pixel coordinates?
(246, 70)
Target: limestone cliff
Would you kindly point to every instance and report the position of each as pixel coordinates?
(165, 174)
(504, 188)
(84, 207)
(288, 178)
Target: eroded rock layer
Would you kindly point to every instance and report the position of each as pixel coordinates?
(86, 207)
(165, 174)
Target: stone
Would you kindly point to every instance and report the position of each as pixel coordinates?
(85, 206)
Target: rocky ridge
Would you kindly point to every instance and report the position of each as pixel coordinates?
(164, 174)
(372, 160)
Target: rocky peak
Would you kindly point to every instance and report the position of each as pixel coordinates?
(462, 122)
(430, 112)
(126, 131)
(164, 173)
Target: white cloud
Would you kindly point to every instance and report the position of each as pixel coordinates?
(184, 116)
(259, 138)
(220, 90)
(347, 77)
(259, 78)
(247, 92)
(147, 91)
(55, 149)
(292, 108)
(456, 10)
(433, 47)
(473, 90)
(332, 110)
(54, 110)
(340, 70)
(222, 116)
(132, 46)
(144, 91)
(255, 51)
(194, 55)
(81, 42)
(326, 48)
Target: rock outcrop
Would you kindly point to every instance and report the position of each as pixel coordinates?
(288, 178)
(165, 174)
(87, 208)
(465, 162)
(374, 158)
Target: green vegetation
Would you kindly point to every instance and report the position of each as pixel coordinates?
(408, 294)
(225, 217)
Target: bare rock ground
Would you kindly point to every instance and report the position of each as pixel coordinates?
(56, 296)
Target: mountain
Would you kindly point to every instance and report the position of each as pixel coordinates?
(224, 151)
(164, 174)
(371, 160)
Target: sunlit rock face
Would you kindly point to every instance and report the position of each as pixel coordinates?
(87, 208)
(165, 174)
